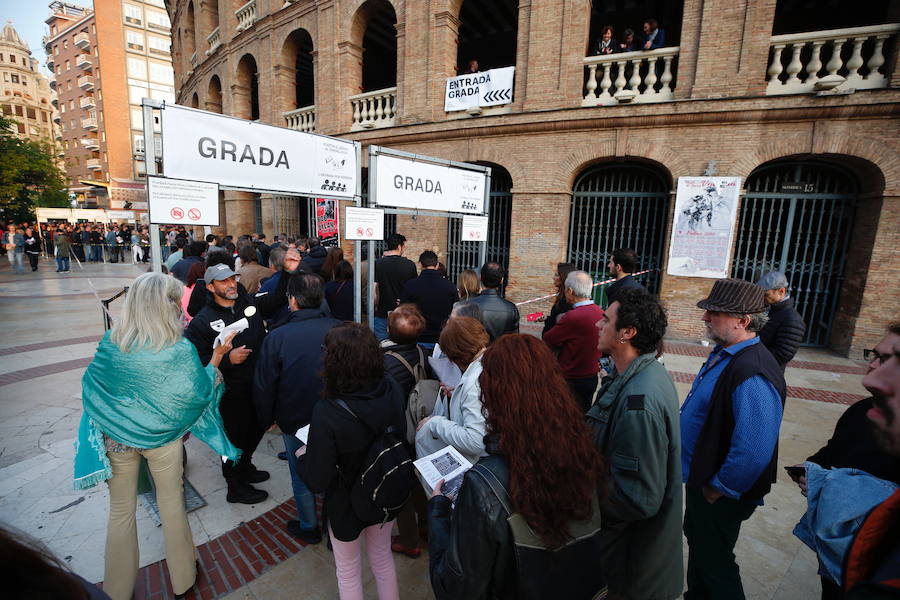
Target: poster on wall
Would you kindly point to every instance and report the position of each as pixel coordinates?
(704, 226)
(486, 88)
(327, 222)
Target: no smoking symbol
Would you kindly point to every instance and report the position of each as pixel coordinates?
(194, 214)
(176, 213)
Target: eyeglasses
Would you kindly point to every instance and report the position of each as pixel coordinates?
(872, 355)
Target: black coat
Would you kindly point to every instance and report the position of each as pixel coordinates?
(314, 260)
(626, 283)
(201, 333)
(500, 315)
(471, 553)
(784, 332)
(338, 444)
(434, 295)
(559, 307)
(287, 383)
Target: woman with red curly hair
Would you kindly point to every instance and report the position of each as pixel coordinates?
(540, 450)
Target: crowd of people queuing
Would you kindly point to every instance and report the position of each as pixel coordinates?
(587, 467)
(650, 38)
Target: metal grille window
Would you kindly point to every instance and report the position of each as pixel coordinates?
(618, 206)
(464, 255)
(390, 221)
(797, 217)
(257, 212)
(291, 214)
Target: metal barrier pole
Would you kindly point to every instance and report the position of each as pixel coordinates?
(150, 164)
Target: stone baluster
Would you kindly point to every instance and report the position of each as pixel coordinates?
(834, 63)
(855, 61)
(379, 111)
(620, 78)
(635, 81)
(815, 63)
(591, 86)
(356, 115)
(794, 66)
(666, 77)
(606, 82)
(650, 79)
(877, 59)
(775, 68)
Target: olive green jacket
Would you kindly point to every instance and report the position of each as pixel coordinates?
(636, 426)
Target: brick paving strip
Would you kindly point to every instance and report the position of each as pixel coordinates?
(230, 561)
(51, 344)
(26, 374)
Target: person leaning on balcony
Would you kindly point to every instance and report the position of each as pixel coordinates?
(654, 37)
(130, 411)
(628, 43)
(607, 43)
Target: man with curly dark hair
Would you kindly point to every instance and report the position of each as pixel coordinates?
(636, 427)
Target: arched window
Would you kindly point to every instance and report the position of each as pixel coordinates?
(189, 35)
(379, 43)
(626, 15)
(195, 101)
(619, 205)
(246, 101)
(214, 95)
(296, 55)
(487, 34)
(210, 17)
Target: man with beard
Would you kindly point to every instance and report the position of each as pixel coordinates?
(622, 263)
(730, 422)
(855, 443)
(224, 307)
(872, 565)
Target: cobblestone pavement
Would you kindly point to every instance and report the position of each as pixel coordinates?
(51, 324)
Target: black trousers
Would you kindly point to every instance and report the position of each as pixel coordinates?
(242, 428)
(33, 260)
(712, 531)
(583, 389)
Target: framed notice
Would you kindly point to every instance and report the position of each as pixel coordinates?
(704, 225)
(182, 201)
(474, 229)
(363, 223)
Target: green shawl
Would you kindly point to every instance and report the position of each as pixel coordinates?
(146, 400)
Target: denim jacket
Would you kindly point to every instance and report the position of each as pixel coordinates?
(838, 501)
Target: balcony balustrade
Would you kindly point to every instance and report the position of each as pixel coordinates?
(301, 119)
(83, 40)
(214, 39)
(246, 15)
(89, 123)
(829, 62)
(86, 82)
(85, 62)
(374, 110)
(630, 77)
(91, 143)
(87, 102)
(93, 164)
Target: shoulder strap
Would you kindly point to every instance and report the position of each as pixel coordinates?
(402, 361)
(499, 490)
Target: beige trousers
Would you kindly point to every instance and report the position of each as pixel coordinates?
(122, 556)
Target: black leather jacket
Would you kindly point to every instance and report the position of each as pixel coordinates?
(500, 315)
(471, 546)
(784, 332)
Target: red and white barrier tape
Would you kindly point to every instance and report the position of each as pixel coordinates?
(595, 285)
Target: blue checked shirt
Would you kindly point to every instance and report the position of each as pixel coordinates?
(757, 415)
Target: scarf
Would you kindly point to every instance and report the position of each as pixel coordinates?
(146, 400)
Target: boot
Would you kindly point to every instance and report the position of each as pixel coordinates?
(253, 475)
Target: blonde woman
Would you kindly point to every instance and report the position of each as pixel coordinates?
(130, 411)
(468, 285)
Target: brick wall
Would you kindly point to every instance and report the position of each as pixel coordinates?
(546, 139)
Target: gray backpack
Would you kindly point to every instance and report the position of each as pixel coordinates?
(423, 396)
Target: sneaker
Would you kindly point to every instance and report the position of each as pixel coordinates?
(310, 536)
(254, 475)
(399, 548)
(244, 493)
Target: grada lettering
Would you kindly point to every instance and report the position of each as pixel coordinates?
(226, 150)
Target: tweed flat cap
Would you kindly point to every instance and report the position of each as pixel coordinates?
(734, 296)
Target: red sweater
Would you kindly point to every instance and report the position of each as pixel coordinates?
(575, 335)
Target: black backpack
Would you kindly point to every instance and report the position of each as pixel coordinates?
(385, 479)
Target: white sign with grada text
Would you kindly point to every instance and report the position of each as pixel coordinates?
(236, 153)
(407, 183)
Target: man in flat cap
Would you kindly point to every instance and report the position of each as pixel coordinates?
(730, 422)
(784, 332)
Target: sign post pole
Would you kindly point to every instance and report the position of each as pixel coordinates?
(373, 201)
(482, 247)
(150, 168)
(357, 248)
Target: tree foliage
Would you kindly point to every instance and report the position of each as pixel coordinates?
(29, 175)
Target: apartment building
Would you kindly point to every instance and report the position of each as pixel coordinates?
(104, 61)
(798, 99)
(25, 94)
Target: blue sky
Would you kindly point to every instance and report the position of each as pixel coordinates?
(27, 17)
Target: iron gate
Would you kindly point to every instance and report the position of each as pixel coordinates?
(801, 229)
(619, 206)
(464, 255)
(293, 215)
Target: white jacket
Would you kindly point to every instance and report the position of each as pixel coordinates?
(461, 424)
